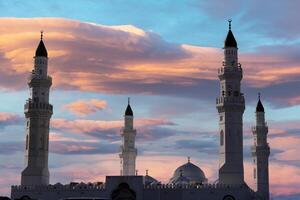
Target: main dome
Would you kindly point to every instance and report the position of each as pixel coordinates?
(191, 172)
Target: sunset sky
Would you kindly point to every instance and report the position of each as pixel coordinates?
(164, 55)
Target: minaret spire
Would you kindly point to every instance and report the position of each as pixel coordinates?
(38, 112)
(128, 151)
(231, 106)
(260, 153)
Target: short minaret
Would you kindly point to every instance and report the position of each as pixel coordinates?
(260, 153)
(231, 106)
(128, 151)
(38, 112)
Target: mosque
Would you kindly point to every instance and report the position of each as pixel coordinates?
(188, 181)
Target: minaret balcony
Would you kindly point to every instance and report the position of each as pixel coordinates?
(230, 100)
(260, 150)
(33, 106)
(35, 80)
(227, 72)
(263, 128)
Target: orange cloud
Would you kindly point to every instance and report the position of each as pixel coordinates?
(85, 107)
(121, 59)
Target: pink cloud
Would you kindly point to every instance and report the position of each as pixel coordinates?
(92, 57)
(111, 129)
(9, 119)
(85, 107)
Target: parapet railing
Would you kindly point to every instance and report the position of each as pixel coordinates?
(59, 187)
(222, 70)
(233, 99)
(33, 105)
(35, 76)
(197, 186)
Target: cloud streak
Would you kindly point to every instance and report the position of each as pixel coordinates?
(82, 108)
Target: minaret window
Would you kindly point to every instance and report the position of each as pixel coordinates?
(222, 138)
(26, 144)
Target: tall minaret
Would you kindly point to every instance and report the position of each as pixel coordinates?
(231, 106)
(260, 153)
(128, 151)
(38, 112)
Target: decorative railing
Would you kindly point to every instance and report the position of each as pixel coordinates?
(234, 99)
(223, 70)
(59, 187)
(197, 186)
(35, 76)
(38, 106)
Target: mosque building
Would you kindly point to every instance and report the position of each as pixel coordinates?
(188, 181)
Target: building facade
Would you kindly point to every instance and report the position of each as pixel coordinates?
(188, 181)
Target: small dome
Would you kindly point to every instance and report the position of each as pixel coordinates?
(128, 111)
(41, 50)
(260, 107)
(230, 40)
(191, 172)
(148, 180)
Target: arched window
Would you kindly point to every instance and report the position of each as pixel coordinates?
(123, 192)
(228, 197)
(221, 138)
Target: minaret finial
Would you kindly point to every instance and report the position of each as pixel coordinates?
(229, 23)
(128, 100)
(259, 96)
(42, 32)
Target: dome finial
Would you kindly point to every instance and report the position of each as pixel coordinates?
(229, 23)
(189, 159)
(42, 32)
(136, 172)
(147, 172)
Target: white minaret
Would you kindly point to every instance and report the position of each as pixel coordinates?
(231, 106)
(128, 151)
(38, 112)
(260, 153)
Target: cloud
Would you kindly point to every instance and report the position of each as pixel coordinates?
(125, 59)
(77, 148)
(10, 148)
(148, 129)
(84, 107)
(7, 119)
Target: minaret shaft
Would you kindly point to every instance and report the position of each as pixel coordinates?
(128, 151)
(260, 153)
(38, 112)
(231, 106)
